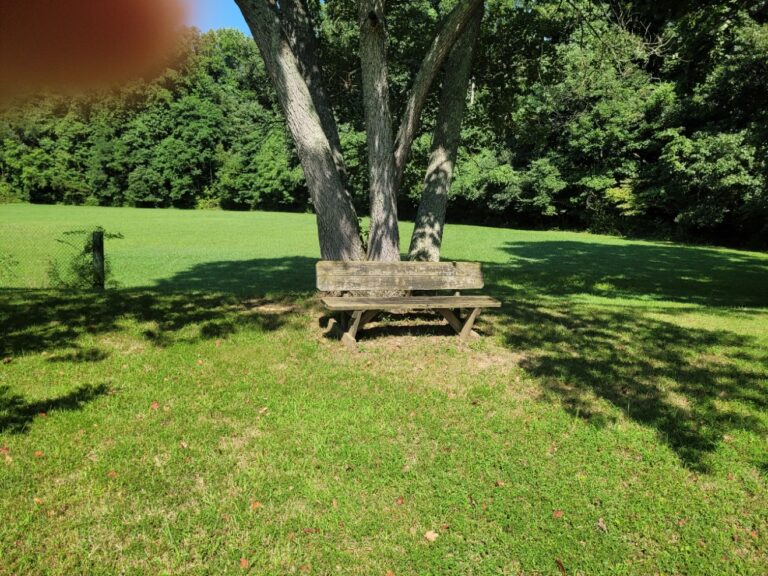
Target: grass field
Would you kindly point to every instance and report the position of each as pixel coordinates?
(200, 420)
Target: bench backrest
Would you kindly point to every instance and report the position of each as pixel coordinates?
(349, 276)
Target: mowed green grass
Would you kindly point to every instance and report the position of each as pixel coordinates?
(201, 419)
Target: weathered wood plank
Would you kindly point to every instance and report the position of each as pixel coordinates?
(349, 342)
(409, 302)
(350, 276)
(355, 324)
(452, 319)
(467, 331)
(377, 268)
(455, 323)
(390, 283)
(349, 337)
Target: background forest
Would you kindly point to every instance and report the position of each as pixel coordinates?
(640, 118)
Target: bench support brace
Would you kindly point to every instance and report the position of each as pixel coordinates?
(466, 331)
(463, 330)
(353, 324)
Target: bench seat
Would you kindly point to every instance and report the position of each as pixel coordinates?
(404, 303)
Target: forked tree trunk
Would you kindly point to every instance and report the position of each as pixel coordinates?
(284, 36)
(427, 237)
(338, 229)
(384, 236)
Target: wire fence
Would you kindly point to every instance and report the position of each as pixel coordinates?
(48, 248)
(62, 259)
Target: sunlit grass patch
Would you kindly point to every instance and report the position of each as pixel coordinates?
(182, 430)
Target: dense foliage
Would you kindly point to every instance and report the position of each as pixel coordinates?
(206, 133)
(615, 117)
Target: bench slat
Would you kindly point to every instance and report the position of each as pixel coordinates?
(410, 303)
(346, 276)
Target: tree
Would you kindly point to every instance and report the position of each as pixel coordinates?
(427, 235)
(284, 33)
(304, 106)
(620, 116)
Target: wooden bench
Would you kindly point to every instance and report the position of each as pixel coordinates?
(361, 278)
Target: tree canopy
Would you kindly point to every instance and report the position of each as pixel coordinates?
(609, 116)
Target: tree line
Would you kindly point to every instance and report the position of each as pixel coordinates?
(620, 117)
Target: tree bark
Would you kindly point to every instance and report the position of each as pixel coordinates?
(298, 26)
(447, 36)
(384, 236)
(338, 228)
(427, 237)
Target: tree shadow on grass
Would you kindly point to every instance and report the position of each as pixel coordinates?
(81, 355)
(35, 321)
(686, 274)
(16, 413)
(694, 385)
(46, 321)
(247, 277)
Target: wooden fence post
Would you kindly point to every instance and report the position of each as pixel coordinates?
(98, 259)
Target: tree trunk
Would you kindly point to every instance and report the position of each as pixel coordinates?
(450, 31)
(284, 35)
(430, 219)
(384, 236)
(298, 27)
(338, 228)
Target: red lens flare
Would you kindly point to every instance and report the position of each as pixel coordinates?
(82, 44)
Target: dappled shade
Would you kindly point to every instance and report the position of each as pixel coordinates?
(42, 321)
(649, 271)
(606, 328)
(692, 385)
(16, 412)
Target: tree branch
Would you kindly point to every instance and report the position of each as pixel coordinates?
(446, 37)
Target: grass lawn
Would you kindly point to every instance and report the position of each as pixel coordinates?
(199, 420)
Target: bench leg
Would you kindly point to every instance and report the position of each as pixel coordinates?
(348, 338)
(458, 311)
(467, 331)
(368, 317)
(450, 316)
(463, 330)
